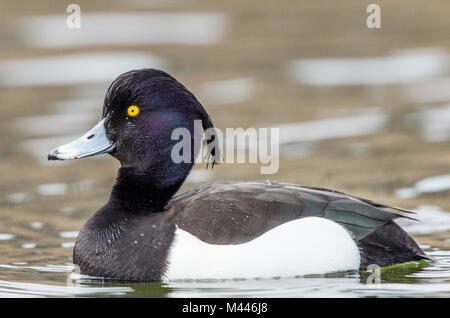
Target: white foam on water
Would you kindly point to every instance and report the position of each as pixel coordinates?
(230, 91)
(402, 67)
(68, 210)
(50, 189)
(436, 124)
(297, 139)
(68, 234)
(67, 244)
(73, 69)
(122, 29)
(6, 236)
(20, 197)
(8, 266)
(81, 106)
(403, 290)
(51, 268)
(432, 219)
(17, 289)
(154, 3)
(426, 185)
(63, 188)
(29, 245)
(37, 225)
(53, 125)
(297, 150)
(370, 123)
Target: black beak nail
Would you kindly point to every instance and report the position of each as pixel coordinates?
(53, 155)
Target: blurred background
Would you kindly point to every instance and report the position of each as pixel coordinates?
(365, 111)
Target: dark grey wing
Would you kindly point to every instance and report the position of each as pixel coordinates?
(237, 212)
(370, 202)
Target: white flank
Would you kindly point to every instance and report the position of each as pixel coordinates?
(305, 246)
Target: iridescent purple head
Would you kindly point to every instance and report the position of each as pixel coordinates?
(164, 104)
(141, 110)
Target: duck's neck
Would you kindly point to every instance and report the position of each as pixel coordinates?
(149, 190)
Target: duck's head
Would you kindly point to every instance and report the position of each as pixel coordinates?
(141, 110)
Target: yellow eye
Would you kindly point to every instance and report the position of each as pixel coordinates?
(133, 111)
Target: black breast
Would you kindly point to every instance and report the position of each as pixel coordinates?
(124, 246)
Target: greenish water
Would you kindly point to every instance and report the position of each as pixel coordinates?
(360, 110)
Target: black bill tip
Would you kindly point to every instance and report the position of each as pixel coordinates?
(53, 155)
